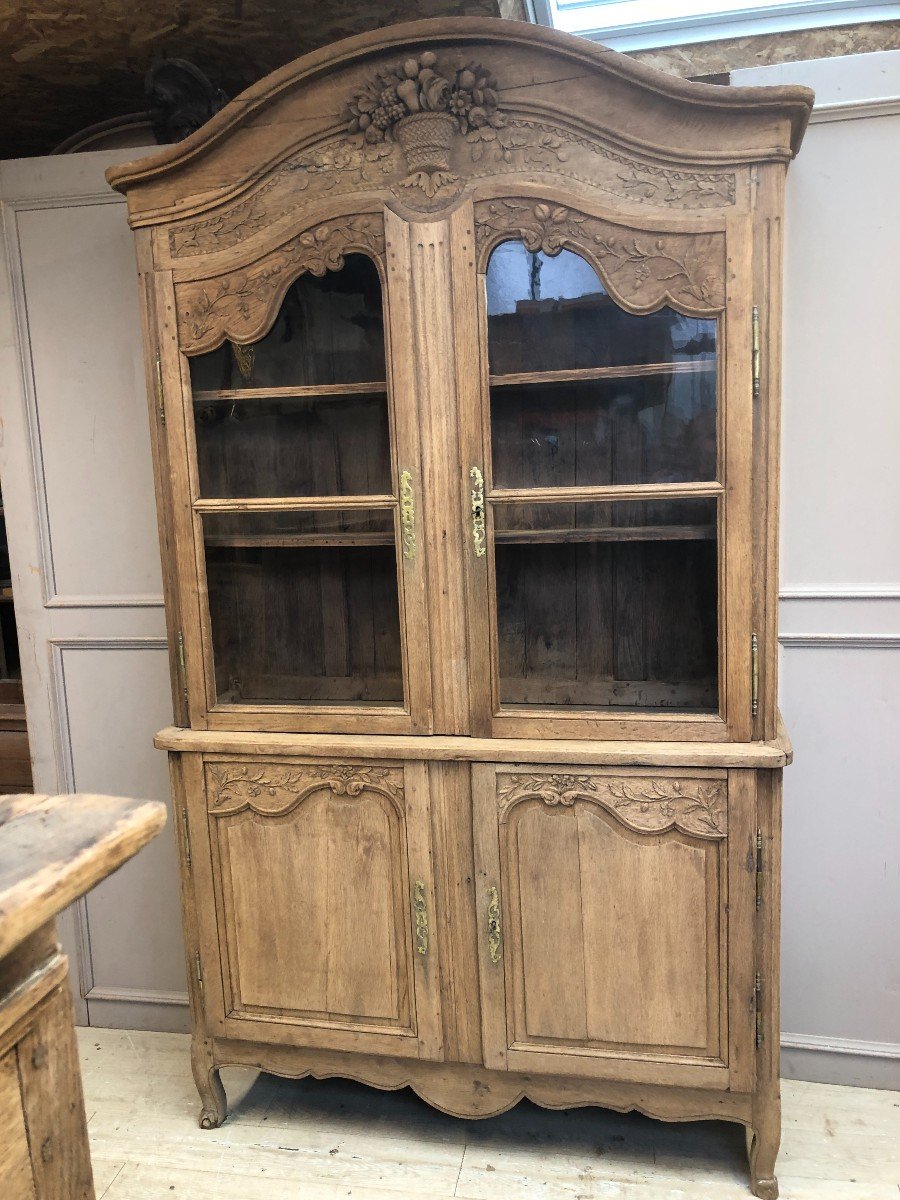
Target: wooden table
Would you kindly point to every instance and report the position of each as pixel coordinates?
(53, 849)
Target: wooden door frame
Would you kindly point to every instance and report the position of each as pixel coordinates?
(734, 501)
(180, 491)
(736, 955)
(425, 1039)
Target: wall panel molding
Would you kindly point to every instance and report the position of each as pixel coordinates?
(848, 641)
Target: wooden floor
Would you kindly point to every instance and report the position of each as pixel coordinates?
(308, 1140)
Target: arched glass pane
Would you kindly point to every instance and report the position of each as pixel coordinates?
(303, 411)
(584, 393)
(330, 329)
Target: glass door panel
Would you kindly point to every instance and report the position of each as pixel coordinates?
(658, 428)
(602, 601)
(607, 605)
(304, 607)
(298, 508)
(331, 445)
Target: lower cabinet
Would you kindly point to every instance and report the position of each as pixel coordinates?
(316, 906)
(613, 914)
(616, 911)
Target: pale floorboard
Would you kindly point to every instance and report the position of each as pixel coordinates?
(337, 1140)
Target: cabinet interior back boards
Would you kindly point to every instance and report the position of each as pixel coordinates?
(463, 355)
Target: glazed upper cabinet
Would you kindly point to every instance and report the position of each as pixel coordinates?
(600, 382)
(465, 426)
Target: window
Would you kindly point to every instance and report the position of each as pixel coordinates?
(642, 24)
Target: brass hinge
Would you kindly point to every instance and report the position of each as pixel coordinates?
(199, 969)
(186, 830)
(754, 675)
(160, 404)
(181, 666)
(757, 1002)
(754, 323)
(759, 867)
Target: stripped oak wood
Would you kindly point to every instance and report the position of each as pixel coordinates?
(561, 610)
(52, 850)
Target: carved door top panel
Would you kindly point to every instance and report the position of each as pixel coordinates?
(420, 112)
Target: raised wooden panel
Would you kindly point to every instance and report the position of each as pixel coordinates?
(614, 947)
(317, 878)
(593, 913)
(15, 1164)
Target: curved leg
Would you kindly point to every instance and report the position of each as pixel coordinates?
(763, 1140)
(209, 1085)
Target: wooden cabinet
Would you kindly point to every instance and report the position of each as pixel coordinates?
(317, 902)
(463, 354)
(619, 922)
(53, 849)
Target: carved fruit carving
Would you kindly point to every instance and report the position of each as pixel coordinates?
(647, 805)
(641, 271)
(423, 105)
(242, 304)
(273, 789)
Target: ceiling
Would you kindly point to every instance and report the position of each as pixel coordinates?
(69, 65)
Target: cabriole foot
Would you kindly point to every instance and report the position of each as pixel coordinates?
(209, 1085)
(762, 1150)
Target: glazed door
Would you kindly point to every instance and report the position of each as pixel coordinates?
(317, 904)
(303, 490)
(615, 923)
(605, 599)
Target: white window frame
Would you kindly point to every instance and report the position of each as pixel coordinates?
(645, 24)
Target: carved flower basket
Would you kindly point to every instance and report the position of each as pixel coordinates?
(425, 140)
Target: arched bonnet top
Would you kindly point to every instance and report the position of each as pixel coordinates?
(556, 98)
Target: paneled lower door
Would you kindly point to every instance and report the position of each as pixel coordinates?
(321, 874)
(615, 923)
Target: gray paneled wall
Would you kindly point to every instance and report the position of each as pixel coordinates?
(78, 489)
(840, 576)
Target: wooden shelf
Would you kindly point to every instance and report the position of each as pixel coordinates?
(607, 533)
(251, 504)
(586, 374)
(324, 391)
(293, 540)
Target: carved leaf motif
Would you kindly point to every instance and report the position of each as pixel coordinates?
(642, 271)
(649, 805)
(338, 164)
(270, 788)
(240, 305)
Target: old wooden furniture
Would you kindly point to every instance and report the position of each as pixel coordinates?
(463, 351)
(53, 849)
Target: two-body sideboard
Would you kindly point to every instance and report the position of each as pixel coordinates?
(463, 355)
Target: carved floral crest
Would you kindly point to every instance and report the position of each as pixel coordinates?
(647, 805)
(423, 107)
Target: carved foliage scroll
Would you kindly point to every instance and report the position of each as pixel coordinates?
(646, 805)
(642, 271)
(242, 304)
(424, 128)
(273, 789)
